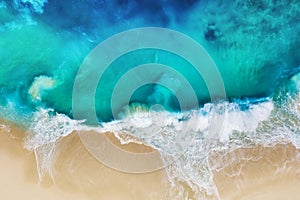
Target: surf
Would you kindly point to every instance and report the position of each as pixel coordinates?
(257, 57)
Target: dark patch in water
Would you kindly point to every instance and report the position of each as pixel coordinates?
(88, 14)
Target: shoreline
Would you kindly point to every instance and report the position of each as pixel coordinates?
(77, 175)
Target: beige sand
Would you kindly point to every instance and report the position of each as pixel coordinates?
(275, 176)
(79, 176)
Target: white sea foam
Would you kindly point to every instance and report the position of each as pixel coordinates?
(40, 85)
(184, 139)
(5, 128)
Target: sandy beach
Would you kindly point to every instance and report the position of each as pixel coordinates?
(77, 175)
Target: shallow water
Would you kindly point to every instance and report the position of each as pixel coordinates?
(263, 173)
(253, 45)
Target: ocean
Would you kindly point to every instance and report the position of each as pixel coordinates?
(194, 80)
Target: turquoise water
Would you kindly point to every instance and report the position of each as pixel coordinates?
(254, 44)
(255, 53)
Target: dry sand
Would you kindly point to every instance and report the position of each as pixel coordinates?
(78, 175)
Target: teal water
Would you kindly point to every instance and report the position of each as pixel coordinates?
(255, 48)
(254, 44)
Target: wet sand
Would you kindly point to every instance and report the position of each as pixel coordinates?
(78, 175)
(274, 175)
